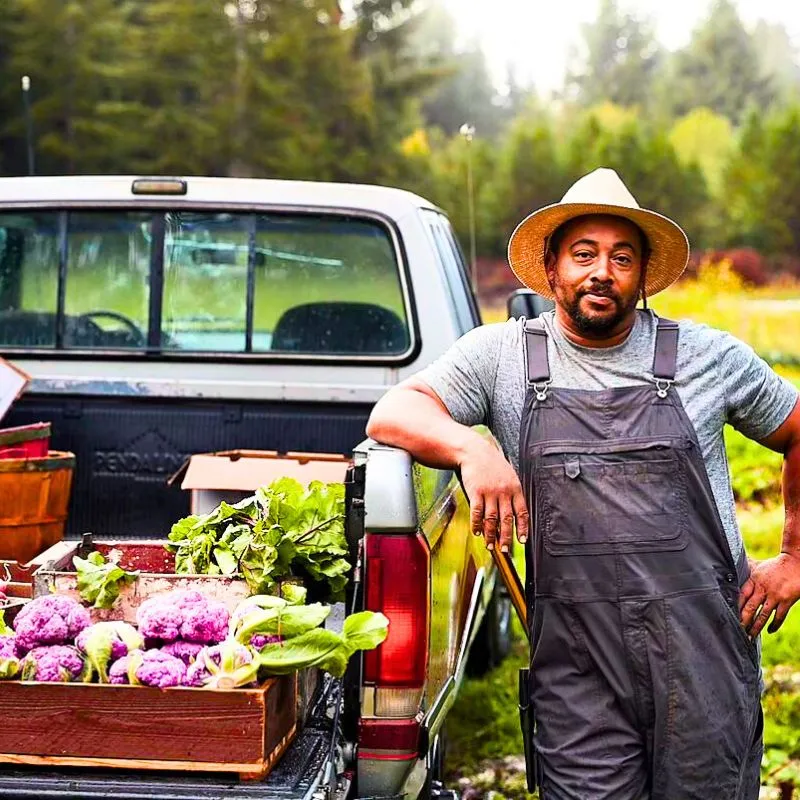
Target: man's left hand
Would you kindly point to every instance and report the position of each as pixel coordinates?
(773, 587)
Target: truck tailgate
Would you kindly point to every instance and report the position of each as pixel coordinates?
(296, 776)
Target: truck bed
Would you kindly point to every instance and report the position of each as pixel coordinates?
(296, 776)
(126, 448)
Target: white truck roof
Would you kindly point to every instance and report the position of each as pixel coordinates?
(82, 189)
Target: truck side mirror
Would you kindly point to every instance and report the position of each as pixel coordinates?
(528, 304)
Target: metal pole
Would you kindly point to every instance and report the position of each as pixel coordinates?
(468, 132)
(26, 101)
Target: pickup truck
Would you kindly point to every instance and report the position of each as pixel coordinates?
(160, 317)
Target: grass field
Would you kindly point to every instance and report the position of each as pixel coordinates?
(483, 730)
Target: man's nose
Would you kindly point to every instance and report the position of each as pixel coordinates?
(601, 271)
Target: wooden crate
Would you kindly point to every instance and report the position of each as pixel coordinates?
(156, 568)
(243, 731)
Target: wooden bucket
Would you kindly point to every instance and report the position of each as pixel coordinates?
(34, 496)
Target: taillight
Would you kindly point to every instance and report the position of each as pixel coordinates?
(398, 584)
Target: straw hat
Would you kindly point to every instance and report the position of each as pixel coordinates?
(599, 192)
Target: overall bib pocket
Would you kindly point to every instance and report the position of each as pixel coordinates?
(621, 497)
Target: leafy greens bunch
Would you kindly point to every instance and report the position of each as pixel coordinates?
(284, 531)
(290, 637)
(99, 580)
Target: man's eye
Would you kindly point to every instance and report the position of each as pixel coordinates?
(624, 261)
(583, 254)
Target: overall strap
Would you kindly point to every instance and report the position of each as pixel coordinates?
(666, 351)
(537, 366)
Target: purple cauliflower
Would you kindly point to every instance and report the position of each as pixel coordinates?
(56, 663)
(106, 642)
(259, 640)
(155, 668)
(9, 657)
(185, 651)
(207, 625)
(118, 671)
(187, 615)
(50, 619)
(224, 666)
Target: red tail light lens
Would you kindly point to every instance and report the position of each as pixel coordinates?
(398, 584)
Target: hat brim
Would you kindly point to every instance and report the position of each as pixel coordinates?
(669, 246)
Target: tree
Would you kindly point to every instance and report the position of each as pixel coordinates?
(465, 92)
(619, 59)
(304, 107)
(436, 168)
(706, 139)
(399, 80)
(719, 69)
(779, 57)
(762, 183)
(185, 79)
(529, 174)
(79, 56)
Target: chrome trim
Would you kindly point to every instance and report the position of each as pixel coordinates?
(436, 714)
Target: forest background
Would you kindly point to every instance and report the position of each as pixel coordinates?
(376, 91)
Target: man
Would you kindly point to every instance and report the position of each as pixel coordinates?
(645, 674)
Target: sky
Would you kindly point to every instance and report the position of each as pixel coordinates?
(535, 36)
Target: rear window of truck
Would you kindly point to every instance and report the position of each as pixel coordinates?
(200, 282)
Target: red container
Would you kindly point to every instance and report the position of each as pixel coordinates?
(27, 441)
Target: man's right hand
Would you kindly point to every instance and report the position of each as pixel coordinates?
(495, 495)
(413, 417)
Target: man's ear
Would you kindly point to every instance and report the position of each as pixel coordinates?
(550, 267)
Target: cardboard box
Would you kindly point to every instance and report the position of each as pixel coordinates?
(232, 475)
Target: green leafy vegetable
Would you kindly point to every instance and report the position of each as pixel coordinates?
(365, 630)
(5, 629)
(284, 531)
(323, 648)
(316, 648)
(286, 621)
(100, 581)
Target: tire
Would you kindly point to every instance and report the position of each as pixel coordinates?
(493, 640)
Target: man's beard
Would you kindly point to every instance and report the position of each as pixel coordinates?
(597, 325)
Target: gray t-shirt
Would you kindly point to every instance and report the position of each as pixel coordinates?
(719, 379)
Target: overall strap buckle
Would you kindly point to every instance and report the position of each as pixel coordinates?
(662, 387)
(540, 390)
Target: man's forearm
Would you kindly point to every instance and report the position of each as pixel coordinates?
(774, 584)
(414, 421)
(791, 501)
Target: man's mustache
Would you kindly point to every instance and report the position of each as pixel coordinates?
(600, 292)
